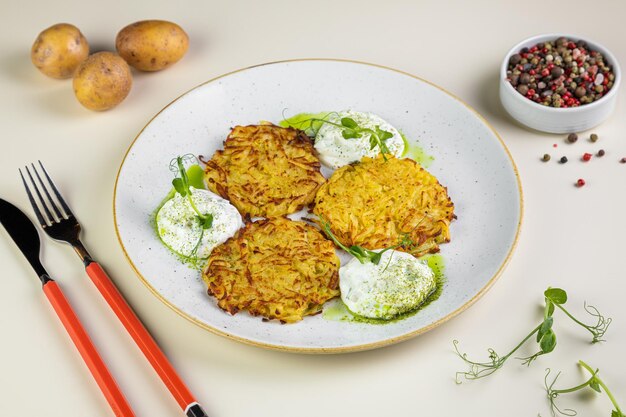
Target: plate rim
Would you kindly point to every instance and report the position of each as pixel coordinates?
(337, 349)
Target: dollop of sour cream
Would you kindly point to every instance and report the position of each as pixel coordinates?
(179, 228)
(398, 284)
(336, 151)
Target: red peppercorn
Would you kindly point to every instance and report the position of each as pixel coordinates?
(555, 145)
(571, 45)
(545, 72)
(580, 182)
(587, 157)
(532, 72)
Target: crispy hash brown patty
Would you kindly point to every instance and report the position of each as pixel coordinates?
(376, 204)
(265, 170)
(277, 268)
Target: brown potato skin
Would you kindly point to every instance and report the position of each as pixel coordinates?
(152, 45)
(58, 51)
(102, 81)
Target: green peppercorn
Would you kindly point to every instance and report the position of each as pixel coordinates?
(546, 157)
(572, 137)
(593, 137)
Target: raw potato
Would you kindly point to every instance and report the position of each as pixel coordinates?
(102, 81)
(59, 50)
(152, 45)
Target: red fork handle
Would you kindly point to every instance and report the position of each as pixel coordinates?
(87, 350)
(142, 338)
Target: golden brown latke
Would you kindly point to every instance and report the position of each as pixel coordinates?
(277, 268)
(376, 203)
(265, 170)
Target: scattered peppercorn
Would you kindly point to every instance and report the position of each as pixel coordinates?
(556, 145)
(560, 73)
(546, 157)
(623, 160)
(593, 137)
(601, 152)
(580, 182)
(563, 159)
(572, 137)
(586, 157)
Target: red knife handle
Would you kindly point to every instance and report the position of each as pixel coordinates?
(87, 350)
(142, 338)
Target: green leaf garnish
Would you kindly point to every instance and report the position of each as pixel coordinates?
(207, 223)
(179, 186)
(349, 122)
(545, 337)
(350, 129)
(362, 254)
(556, 295)
(182, 184)
(594, 382)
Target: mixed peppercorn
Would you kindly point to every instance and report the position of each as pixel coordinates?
(560, 73)
(586, 157)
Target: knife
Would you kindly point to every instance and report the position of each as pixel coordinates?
(25, 236)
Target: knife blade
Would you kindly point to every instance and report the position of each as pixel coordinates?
(24, 234)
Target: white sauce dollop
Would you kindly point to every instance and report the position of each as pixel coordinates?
(180, 230)
(398, 284)
(336, 151)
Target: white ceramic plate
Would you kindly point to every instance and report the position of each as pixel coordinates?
(470, 159)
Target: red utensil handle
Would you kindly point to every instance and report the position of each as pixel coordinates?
(87, 350)
(140, 335)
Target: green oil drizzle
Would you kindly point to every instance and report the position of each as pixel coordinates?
(416, 153)
(336, 310)
(195, 175)
(303, 121)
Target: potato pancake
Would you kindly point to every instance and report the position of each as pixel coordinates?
(265, 170)
(277, 268)
(376, 204)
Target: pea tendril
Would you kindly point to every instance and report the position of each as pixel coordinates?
(350, 129)
(545, 337)
(362, 254)
(594, 382)
(182, 186)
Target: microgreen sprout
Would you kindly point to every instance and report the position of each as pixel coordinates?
(362, 254)
(183, 187)
(594, 382)
(545, 337)
(350, 129)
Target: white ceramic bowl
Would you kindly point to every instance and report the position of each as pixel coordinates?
(552, 119)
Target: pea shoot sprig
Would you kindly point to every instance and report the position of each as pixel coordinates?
(362, 254)
(350, 129)
(594, 382)
(183, 186)
(545, 337)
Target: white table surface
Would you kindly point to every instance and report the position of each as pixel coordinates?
(571, 237)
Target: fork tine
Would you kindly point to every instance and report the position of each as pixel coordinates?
(56, 192)
(45, 190)
(42, 221)
(43, 203)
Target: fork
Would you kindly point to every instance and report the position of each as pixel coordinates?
(61, 225)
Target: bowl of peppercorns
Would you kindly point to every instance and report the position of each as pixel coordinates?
(559, 83)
